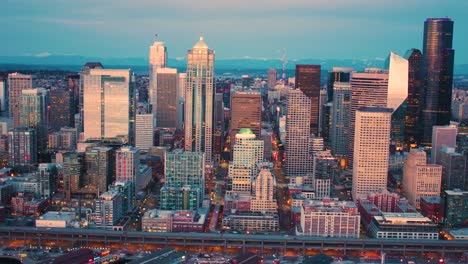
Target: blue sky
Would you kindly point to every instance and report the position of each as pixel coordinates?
(329, 29)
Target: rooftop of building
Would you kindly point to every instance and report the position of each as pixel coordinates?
(431, 199)
(456, 192)
(403, 218)
(58, 216)
(459, 232)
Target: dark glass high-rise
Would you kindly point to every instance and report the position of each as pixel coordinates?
(413, 110)
(308, 81)
(438, 59)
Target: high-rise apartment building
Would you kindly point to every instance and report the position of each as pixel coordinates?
(164, 101)
(247, 153)
(33, 113)
(144, 132)
(108, 209)
(308, 81)
(99, 166)
(62, 109)
(271, 82)
(199, 100)
(127, 163)
(185, 180)
(419, 178)
(413, 109)
(340, 130)
(442, 136)
(368, 88)
(438, 59)
(371, 150)
(109, 104)
(298, 161)
(246, 112)
(16, 84)
(22, 143)
(73, 169)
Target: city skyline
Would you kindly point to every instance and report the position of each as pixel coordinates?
(371, 28)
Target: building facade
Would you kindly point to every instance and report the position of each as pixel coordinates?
(371, 145)
(199, 100)
(308, 81)
(16, 84)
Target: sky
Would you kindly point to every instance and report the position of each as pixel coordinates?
(306, 29)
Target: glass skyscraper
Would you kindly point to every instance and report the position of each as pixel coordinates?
(438, 59)
(109, 109)
(413, 109)
(308, 81)
(199, 100)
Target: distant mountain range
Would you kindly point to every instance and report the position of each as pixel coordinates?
(222, 66)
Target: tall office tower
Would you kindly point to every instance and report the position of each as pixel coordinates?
(246, 112)
(337, 74)
(62, 112)
(48, 184)
(371, 144)
(271, 82)
(16, 83)
(368, 88)
(185, 180)
(181, 84)
(33, 113)
(109, 104)
(453, 169)
(396, 97)
(163, 97)
(442, 136)
(264, 187)
(84, 71)
(199, 100)
(298, 161)
(247, 153)
(99, 166)
(144, 132)
(438, 58)
(218, 138)
(108, 209)
(340, 120)
(308, 81)
(3, 97)
(454, 203)
(419, 178)
(413, 109)
(127, 163)
(326, 115)
(324, 166)
(73, 85)
(22, 143)
(157, 55)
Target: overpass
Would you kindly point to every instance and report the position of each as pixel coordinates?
(225, 242)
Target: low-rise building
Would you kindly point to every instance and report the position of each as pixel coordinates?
(173, 221)
(56, 219)
(329, 218)
(252, 221)
(430, 207)
(403, 226)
